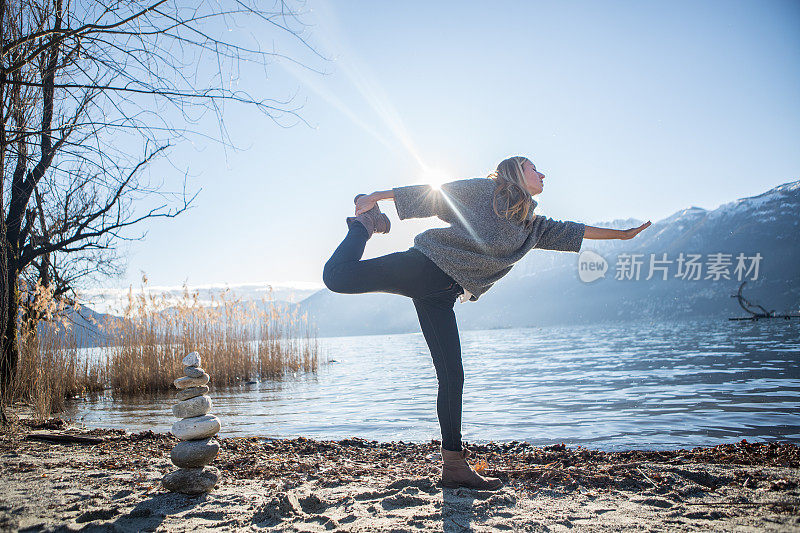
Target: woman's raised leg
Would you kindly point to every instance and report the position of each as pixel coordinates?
(350, 250)
(407, 273)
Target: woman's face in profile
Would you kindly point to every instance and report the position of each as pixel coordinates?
(534, 180)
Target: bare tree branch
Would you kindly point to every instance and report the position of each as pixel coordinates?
(91, 92)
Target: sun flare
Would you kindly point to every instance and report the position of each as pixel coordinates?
(435, 177)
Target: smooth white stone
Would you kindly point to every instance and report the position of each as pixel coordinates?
(191, 392)
(199, 427)
(191, 480)
(193, 359)
(186, 382)
(197, 406)
(194, 453)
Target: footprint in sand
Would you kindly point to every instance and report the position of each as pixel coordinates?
(496, 501)
(280, 506)
(311, 504)
(206, 515)
(705, 515)
(326, 521)
(656, 502)
(97, 514)
(374, 494)
(403, 499)
(347, 519)
(424, 484)
(405, 486)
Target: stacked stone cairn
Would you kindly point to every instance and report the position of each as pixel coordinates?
(196, 428)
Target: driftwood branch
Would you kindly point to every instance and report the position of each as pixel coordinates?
(62, 438)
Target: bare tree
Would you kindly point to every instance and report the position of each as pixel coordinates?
(92, 92)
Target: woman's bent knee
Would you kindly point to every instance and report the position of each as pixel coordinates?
(337, 279)
(329, 278)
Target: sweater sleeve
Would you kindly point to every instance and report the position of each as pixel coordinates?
(419, 201)
(564, 236)
(416, 201)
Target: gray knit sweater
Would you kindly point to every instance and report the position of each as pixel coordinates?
(479, 247)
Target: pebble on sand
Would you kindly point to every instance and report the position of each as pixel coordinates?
(186, 382)
(191, 480)
(192, 359)
(191, 392)
(194, 453)
(199, 427)
(197, 406)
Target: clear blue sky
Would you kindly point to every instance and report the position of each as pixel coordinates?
(631, 109)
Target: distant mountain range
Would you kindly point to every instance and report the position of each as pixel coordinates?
(544, 288)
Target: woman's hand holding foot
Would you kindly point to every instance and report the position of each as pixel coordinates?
(365, 203)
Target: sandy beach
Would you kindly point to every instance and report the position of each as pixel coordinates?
(110, 481)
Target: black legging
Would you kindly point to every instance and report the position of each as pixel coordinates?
(433, 292)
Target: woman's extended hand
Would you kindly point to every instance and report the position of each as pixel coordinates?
(633, 232)
(365, 203)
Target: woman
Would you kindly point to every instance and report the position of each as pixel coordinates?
(492, 226)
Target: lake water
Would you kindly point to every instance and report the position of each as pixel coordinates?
(605, 386)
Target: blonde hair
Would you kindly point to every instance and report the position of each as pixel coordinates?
(511, 198)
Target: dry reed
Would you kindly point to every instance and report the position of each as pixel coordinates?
(238, 341)
(141, 352)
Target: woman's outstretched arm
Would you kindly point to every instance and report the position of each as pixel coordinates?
(608, 233)
(425, 200)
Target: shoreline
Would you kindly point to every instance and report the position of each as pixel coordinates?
(111, 481)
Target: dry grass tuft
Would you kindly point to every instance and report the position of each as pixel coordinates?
(50, 370)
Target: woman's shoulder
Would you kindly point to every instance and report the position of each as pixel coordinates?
(471, 184)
